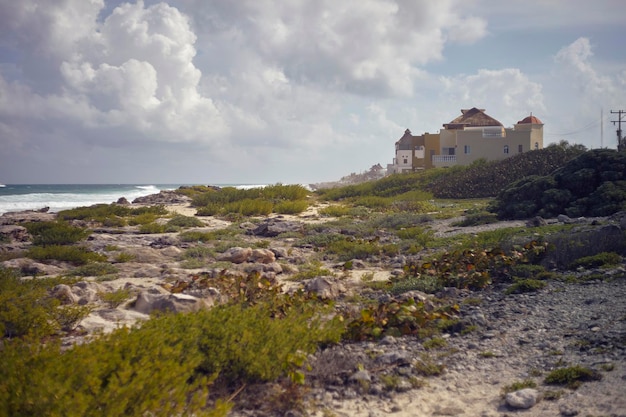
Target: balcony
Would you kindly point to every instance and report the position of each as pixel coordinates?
(444, 159)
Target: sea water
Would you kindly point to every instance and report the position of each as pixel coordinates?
(59, 197)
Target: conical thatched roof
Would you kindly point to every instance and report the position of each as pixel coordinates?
(472, 118)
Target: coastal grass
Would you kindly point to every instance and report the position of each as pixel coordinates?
(112, 215)
(76, 255)
(572, 376)
(55, 233)
(160, 368)
(259, 201)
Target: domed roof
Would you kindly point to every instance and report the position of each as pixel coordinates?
(530, 120)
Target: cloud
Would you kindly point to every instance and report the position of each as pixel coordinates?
(506, 94)
(263, 88)
(574, 63)
(364, 47)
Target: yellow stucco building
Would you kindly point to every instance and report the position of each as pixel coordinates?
(471, 136)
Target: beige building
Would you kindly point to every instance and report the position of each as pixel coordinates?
(471, 136)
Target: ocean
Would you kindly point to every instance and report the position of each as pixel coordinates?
(66, 196)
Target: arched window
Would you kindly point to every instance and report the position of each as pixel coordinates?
(506, 149)
(536, 145)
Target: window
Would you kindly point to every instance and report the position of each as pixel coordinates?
(406, 161)
(467, 149)
(536, 145)
(520, 148)
(506, 149)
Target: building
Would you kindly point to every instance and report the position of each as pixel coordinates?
(471, 136)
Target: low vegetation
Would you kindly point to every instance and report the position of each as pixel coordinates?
(196, 363)
(284, 199)
(593, 184)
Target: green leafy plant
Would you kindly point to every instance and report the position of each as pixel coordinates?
(397, 318)
(525, 286)
(77, 255)
(602, 259)
(516, 386)
(185, 221)
(55, 233)
(572, 376)
(94, 269)
(291, 207)
(115, 298)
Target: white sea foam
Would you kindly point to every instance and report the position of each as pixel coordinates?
(59, 200)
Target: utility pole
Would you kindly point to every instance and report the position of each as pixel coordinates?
(621, 143)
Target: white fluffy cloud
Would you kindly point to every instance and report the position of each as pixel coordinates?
(249, 90)
(508, 95)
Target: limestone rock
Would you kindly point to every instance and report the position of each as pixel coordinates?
(87, 292)
(14, 233)
(280, 252)
(16, 217)
(29, 267)
(325, 287)
(64, 294)
(522, 399)
(149, 301)
(274, 227)
(236, 255)
(536, 222)
(163, 197)
(264, 256)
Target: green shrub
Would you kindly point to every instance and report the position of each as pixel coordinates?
(68, 317)
(335, 211)
(185, 221)
(248, 345)
(312, 270)
(592, 184)
(249, 207)
(572, 376)
(526, 270)
(198, 252)
(426, 283)
(55, 233)
(76, 255)
(196, 236)
(347, 249)
(398, 221)
(418, 235)
(152, 228)
(602, 259)
(136, 372)
(488, 179)
(291, 207)
(209, 210)
(124, 257)
(525, 285)
(94, 269)
(516, 386)
(24, 307)
(144, 218)
(475, 219)
(109, 214)
(115, 298)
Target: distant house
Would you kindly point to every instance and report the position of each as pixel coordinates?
(471, 136)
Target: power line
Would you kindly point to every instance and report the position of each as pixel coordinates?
(589, 126)
(621, 142)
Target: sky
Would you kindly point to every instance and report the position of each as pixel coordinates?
(288, 91)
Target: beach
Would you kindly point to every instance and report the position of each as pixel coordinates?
(514, 338)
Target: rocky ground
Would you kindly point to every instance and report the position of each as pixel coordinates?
(518, 338)
(509, 339)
